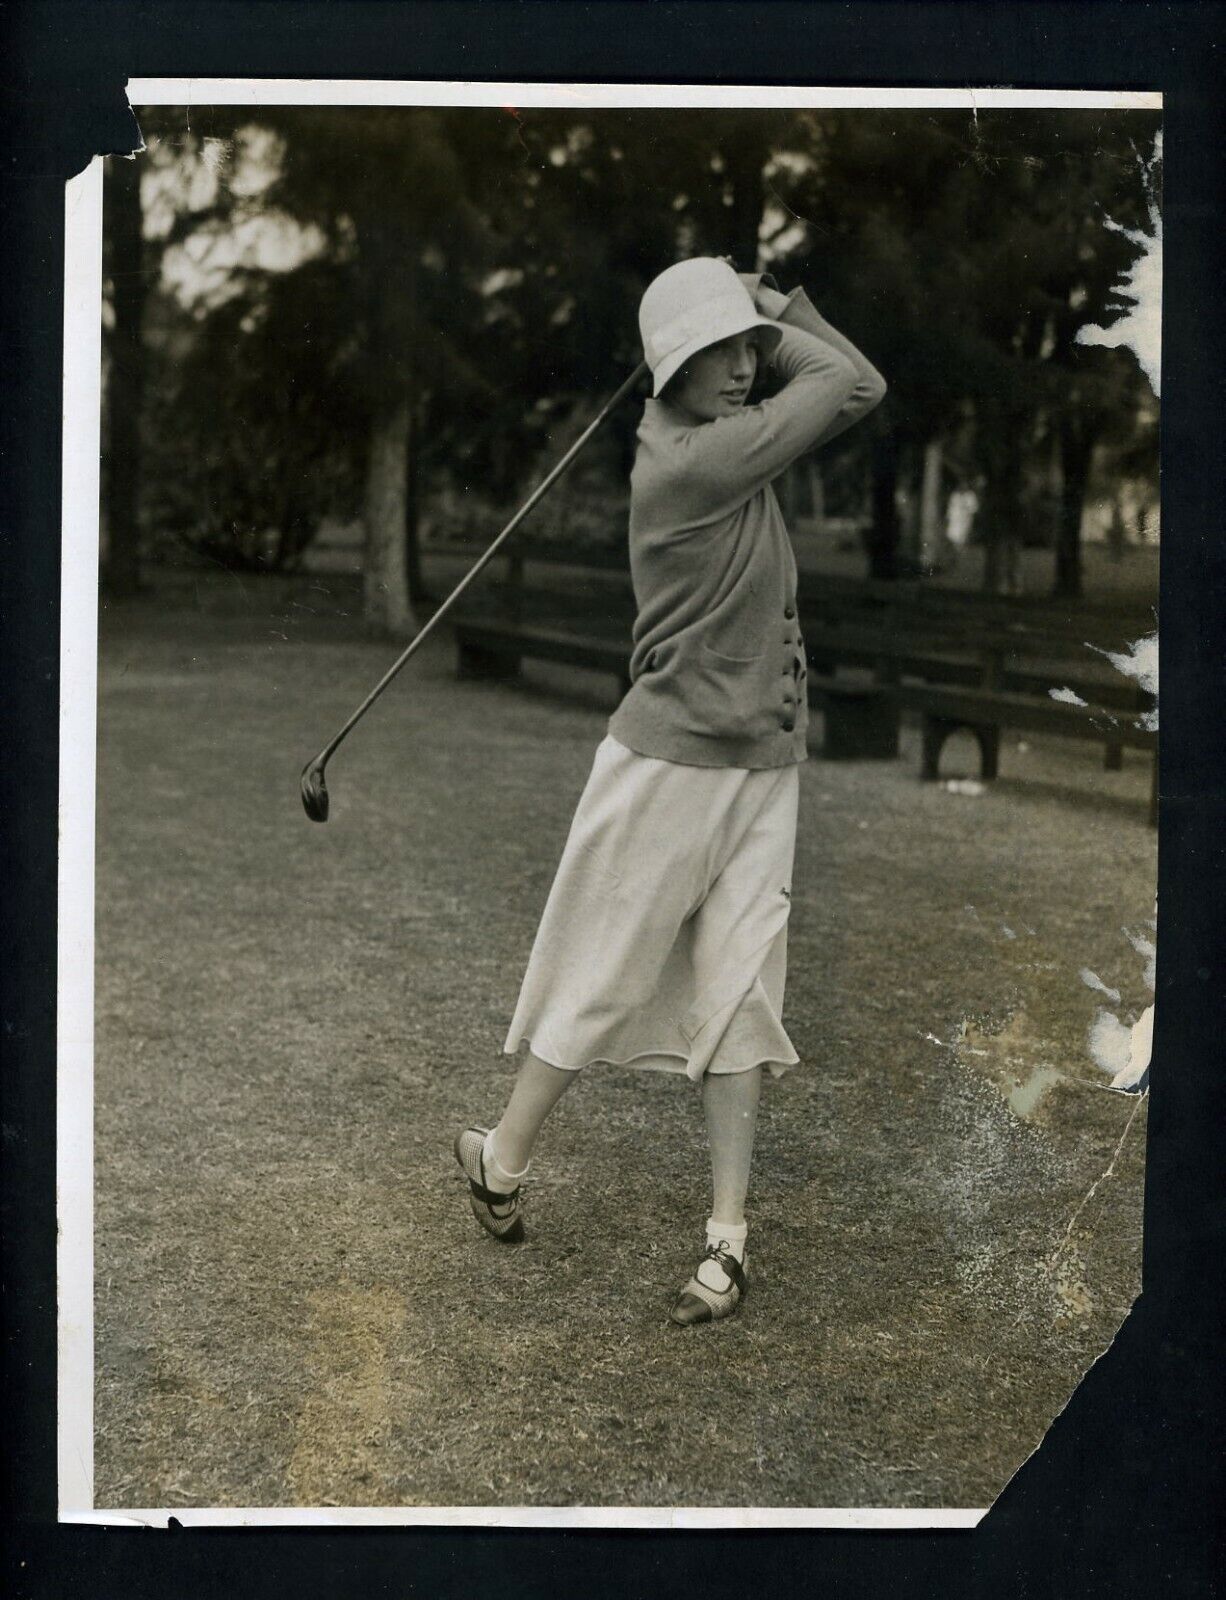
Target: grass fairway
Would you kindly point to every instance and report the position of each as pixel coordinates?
(293, 1303)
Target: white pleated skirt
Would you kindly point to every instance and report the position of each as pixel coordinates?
(663, 943)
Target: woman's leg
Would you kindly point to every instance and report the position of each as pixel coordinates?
(730, 1101)
(538, 1088)
(495, 1162)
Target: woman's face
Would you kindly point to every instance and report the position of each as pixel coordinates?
(714, 382)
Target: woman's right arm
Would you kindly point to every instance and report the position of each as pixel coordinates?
(798, 311)
(715, 467)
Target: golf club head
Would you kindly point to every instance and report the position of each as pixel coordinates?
(314, 792)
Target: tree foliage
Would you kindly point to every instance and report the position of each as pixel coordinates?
(379, 307)
(967, 252)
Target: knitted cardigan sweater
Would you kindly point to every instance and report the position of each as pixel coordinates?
(718, 667)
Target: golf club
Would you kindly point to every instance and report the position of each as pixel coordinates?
(314, 787)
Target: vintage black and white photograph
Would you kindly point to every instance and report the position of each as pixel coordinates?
(624, 844)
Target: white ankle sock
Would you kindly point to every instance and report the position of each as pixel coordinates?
(496, 1175)
(730, 1236)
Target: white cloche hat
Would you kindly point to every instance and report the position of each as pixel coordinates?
(691, 305)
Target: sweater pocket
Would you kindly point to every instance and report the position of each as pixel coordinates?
(724, 694)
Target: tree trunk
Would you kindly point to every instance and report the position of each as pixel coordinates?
(1002, 534)
(385, 593)
(1076, 450)
(389, 285)
(932, 525)
(412, 513)
(907, 495)
(884, 531)
(121, 568)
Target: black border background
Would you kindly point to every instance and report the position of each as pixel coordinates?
(1122, 1496)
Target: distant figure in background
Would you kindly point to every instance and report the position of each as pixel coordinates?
(960, 516)
(663, 942)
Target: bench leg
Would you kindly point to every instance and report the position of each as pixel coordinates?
(476, 661)
(989, 751)
(935, 732)
(864, 729)
(1113, 756)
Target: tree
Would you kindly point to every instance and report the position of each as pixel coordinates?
(871, 191)
(967, 253)
(359, 328)
(1076, 185)
(465, 283)
(264, 404)
(391, 197)
(594, 206)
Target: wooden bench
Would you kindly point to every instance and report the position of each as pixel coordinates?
(1105, 622)
(945, 709)
(492, 649)
(974, 659)
(967, 655)
(1026, 619)
(859, 722)
(861, 717)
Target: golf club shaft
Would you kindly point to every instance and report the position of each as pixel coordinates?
(533, 499)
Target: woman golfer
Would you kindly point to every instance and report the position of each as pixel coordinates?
(663, 942)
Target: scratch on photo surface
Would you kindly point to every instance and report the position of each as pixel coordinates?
(1060, 1250)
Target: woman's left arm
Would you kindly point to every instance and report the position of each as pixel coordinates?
(800, 312)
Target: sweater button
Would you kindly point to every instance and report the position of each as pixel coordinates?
(789, 725)
(789, 612)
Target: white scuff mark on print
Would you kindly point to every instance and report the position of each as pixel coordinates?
(1146, 948)
(1015, 1063)
(1093, 981)
(1007, 931)
(1025, 1097)
(1121, 1048)
(1140, 1050)
(1139, 661)
(1068, 697)
(1140, 327)
(1109, 1042)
